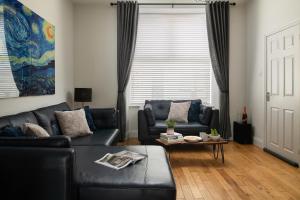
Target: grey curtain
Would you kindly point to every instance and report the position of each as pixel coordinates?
(217, 16)
(127, 13)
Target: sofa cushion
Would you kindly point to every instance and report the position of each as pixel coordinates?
(4, 122)
(149, 114)
(10, 131)
(34, 130)
(191, 128)
(179, 111)
(160, 108)
(73, 123)
(150, 178)
(205, 114)
(100, 137)
(194, 111)
(89, 118)
(22, 118)
(51, 142)
(104, 118)
(47, 120)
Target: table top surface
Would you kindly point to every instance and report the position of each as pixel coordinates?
(209, 142)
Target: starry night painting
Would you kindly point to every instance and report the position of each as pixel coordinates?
(27, 52)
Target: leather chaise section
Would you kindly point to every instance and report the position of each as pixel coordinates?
(100, 137)
(151, 178)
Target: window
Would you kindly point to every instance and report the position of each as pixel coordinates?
(172, 58)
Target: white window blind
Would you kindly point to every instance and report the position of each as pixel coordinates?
(172, 58)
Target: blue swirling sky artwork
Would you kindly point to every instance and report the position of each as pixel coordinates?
(27, 52)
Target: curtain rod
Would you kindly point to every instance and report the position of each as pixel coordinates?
(172, 4)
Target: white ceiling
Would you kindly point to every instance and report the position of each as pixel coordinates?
(148, 1)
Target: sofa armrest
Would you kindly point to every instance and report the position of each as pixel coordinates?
(37, 173)
(214, 122)
(142, 126)
(105, 117)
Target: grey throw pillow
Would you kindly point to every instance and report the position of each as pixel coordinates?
(73, 123)
(35, 130)
(179, 111)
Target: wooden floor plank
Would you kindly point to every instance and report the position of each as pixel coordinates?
(249, 173)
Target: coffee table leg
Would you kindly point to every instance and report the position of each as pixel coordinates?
(216, 148)
(222, 152)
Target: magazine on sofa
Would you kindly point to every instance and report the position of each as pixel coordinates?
(120, 160)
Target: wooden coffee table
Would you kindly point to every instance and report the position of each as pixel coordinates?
(217, 146)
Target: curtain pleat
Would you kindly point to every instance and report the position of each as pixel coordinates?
(127, 14)
(217, 15)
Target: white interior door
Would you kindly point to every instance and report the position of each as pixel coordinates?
(283, 93)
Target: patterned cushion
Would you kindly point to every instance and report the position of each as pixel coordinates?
(179, 111)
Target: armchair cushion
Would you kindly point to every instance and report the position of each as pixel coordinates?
(179, 111)
(149, 114)
(205, 114)
(160, 108)
(194, 111)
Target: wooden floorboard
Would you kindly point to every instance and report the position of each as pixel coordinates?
(248, 173)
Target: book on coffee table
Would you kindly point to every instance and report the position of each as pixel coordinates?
(171, 138)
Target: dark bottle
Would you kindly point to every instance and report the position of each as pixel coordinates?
(245, 116)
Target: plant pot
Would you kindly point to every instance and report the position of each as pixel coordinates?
(215, 138)
(170, 131)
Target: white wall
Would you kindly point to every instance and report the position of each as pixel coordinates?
(96, 52)
(59, 13)
(263, 17)
(96, 57)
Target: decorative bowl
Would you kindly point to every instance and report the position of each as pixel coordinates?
(192, 139)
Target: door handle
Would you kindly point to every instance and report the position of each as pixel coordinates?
(268, 96)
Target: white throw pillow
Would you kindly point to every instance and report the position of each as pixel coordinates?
(73, 123)
(35, 130)
(179, 111)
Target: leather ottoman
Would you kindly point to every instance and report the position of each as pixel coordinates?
(148, 179)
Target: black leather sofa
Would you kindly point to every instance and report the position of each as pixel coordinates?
(147, 133)
(63, 169)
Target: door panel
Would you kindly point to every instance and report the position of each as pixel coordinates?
(275, 112)
(283, 107)
(289, 76)
(275, 76)
(289, 131)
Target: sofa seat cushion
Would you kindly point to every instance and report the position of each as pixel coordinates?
(150, 178)
(100, 137)
(191, 128)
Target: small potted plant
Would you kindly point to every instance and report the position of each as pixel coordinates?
(214, 135)
(170, 126)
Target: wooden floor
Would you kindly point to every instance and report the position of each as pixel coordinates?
(248, 173)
